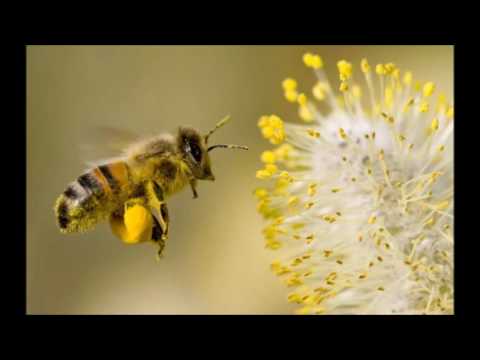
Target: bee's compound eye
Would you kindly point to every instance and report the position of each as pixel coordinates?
(196, 152)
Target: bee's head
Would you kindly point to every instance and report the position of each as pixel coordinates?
(195, 153)
(194, 149)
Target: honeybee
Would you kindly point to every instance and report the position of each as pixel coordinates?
(131, 191)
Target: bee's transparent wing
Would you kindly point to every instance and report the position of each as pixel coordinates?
(105, 143)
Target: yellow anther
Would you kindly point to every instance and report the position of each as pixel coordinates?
(271, 168)
(283, 151)
(372, 219)
(302, 99)
(291, 95)
(329, 218)
(263, 174)
(408, 78)
(295, 298)
(381, 288)
(335, 190)
(428, 89)
(319, 91)
(293, 200)
(390, 119)
(261, 193)
(434, 125)
(365, 66)
(313, 133)
(380, 69)
(272, 128)
(342, 134)
(268, 157)
(430, 221)
(305, 114)
(343, 86)
(289, 84)
(441, 148)
(449, 112)
(339, 262)
(312, 61)
(401, 138)
(389, 68)
(424, 106)
(362, 276)
(312, 189)
(356, 91)
(345, 69)
(309, 205)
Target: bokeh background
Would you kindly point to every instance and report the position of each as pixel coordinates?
(215, 261)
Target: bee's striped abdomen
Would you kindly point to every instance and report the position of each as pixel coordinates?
(86, 200)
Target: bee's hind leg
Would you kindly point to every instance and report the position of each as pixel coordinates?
(134, 223)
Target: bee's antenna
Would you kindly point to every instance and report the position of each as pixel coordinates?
(229, 146)
(217, 126)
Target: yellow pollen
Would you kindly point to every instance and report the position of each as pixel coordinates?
(335, 190)
(327, 253)
(312, 61)
(263, 174)
(372, 219)
(302, 99)
(313, 133)
(343, 86)
(434, 124)
(272, 128)
(345, 70)
(305, 113)
(293, 200)
(428, 89)
(449, 112)
(309, 205)
(268, 157)
(389, 68)
(291, 95)
(365, 66)
(271, 168)
(424, 106)
(342, 134)
(380, 69)
(289, 84)
(261, 193)
(312, 189)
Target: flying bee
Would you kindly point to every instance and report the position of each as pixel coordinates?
(131, 191)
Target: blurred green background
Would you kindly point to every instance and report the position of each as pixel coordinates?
(215, 261)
